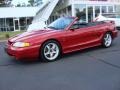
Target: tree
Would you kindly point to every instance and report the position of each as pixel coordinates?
(31, 2)
(80, 14)
(18, 5)
(21, 5)
(2, 1)
(5, 3)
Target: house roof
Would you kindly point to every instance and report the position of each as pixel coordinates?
(10, 12)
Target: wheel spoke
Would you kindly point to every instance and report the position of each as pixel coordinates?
(106, 43)
(47, 53)
(107, 36)
(53, 46)
(48, 47)
(51, 55)
(105, 39)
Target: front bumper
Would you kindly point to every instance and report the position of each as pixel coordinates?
(22, 53)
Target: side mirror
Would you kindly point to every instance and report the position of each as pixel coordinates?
(72, 29)
(74, 26)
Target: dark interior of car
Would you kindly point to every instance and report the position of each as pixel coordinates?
(83, 25)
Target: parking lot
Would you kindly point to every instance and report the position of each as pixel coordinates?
(91, 69)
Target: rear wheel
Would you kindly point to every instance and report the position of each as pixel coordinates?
(107, 40)
(50, 51)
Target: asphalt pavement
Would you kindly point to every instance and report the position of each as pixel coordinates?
(91, 69)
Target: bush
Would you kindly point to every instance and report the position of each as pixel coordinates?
(7, 35)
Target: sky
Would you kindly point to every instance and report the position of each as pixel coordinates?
(15, 2)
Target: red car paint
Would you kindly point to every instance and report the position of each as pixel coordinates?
(70, 40)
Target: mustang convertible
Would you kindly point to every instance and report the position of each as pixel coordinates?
(64, 35)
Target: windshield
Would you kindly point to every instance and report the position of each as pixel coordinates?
(61, 23)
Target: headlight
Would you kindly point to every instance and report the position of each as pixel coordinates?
(21, 44)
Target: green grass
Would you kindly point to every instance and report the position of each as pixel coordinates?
(6, 35)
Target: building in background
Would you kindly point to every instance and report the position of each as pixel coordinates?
(38, 2)
(16, 18)
(89, 9)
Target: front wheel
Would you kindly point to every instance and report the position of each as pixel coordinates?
(107, 40)
(50, 51)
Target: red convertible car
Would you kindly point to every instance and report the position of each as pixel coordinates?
(64, 35)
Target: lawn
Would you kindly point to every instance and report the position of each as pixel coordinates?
(6, 35)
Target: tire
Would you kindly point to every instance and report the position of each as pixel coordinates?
(107, 40)
(50, 51)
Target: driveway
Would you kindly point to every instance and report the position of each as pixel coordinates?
(91, 69)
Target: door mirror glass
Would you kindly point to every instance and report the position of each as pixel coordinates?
(74, 26)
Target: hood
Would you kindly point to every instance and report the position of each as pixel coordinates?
(30, 35)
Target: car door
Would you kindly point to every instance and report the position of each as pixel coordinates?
(79, 38)
(93, 31)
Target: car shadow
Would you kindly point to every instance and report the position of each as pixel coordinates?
(97, 49)
(82, 52)
(23, 61)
